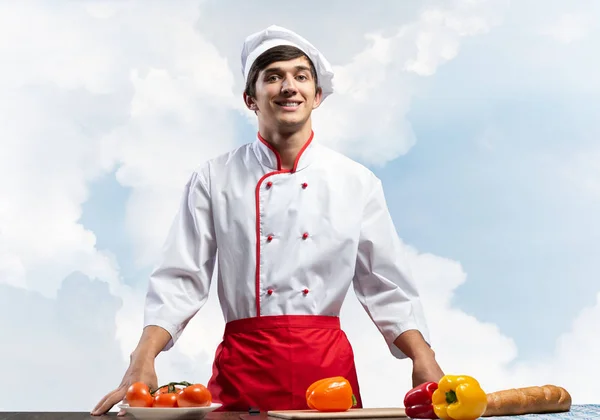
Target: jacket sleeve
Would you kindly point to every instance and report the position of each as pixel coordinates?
(180, 283)
(382, 280)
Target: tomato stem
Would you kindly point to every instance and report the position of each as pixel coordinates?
(171, 386)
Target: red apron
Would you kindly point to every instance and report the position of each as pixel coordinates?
(268, 362)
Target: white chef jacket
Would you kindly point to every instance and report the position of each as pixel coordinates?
(289, 243)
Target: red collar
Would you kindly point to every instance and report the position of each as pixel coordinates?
(269, 157)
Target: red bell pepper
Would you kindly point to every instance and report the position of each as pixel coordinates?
(417, 401)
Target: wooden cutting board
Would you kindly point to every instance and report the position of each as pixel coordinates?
(355, 413)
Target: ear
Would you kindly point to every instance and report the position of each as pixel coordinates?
(318, 98)
(250, 103)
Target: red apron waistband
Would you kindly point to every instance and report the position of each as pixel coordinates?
(279, 321)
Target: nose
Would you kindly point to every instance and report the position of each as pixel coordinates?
(288, 87)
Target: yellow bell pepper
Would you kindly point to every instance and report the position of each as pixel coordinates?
(459, 397)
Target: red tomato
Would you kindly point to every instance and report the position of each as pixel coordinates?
(168, 399)
(196, 395)
(138, 395)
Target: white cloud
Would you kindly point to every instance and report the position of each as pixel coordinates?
(366, 118)
(577, 352)
(12, 270)
(63, 343)
(171, 110)
(465, 345)
(438, 32)
(91, 87)
(569, 27)
(46, 161)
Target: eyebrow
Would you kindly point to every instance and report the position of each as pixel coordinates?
(279, 69)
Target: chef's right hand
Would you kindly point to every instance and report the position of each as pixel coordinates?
(138, 371)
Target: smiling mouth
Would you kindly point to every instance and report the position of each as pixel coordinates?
(289, 104)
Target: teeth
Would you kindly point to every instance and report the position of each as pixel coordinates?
(290, 104)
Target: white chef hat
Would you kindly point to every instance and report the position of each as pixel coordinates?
(261, 41)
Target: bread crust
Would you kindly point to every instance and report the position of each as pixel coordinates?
(529, 400)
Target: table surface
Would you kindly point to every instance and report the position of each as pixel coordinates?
(75, 415)
(578, 412)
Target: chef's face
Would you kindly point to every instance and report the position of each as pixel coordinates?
(285, 95)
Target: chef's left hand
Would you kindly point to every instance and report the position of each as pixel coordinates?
(426, 369)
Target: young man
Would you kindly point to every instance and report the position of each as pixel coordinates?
(295, 225)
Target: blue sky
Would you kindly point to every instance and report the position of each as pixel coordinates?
(497, 198)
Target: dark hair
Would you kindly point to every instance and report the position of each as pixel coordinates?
(272, 55)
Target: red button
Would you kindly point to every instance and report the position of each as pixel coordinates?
(304, 185)
(305, 291)
(269, 184)
(270, 292)
(305, 236)
(270, 238)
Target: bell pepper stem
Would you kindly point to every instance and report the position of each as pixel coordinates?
(354, 402)
(451, 397)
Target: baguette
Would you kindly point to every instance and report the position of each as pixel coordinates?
(530, 400)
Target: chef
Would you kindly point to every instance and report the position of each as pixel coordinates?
(291, 225)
